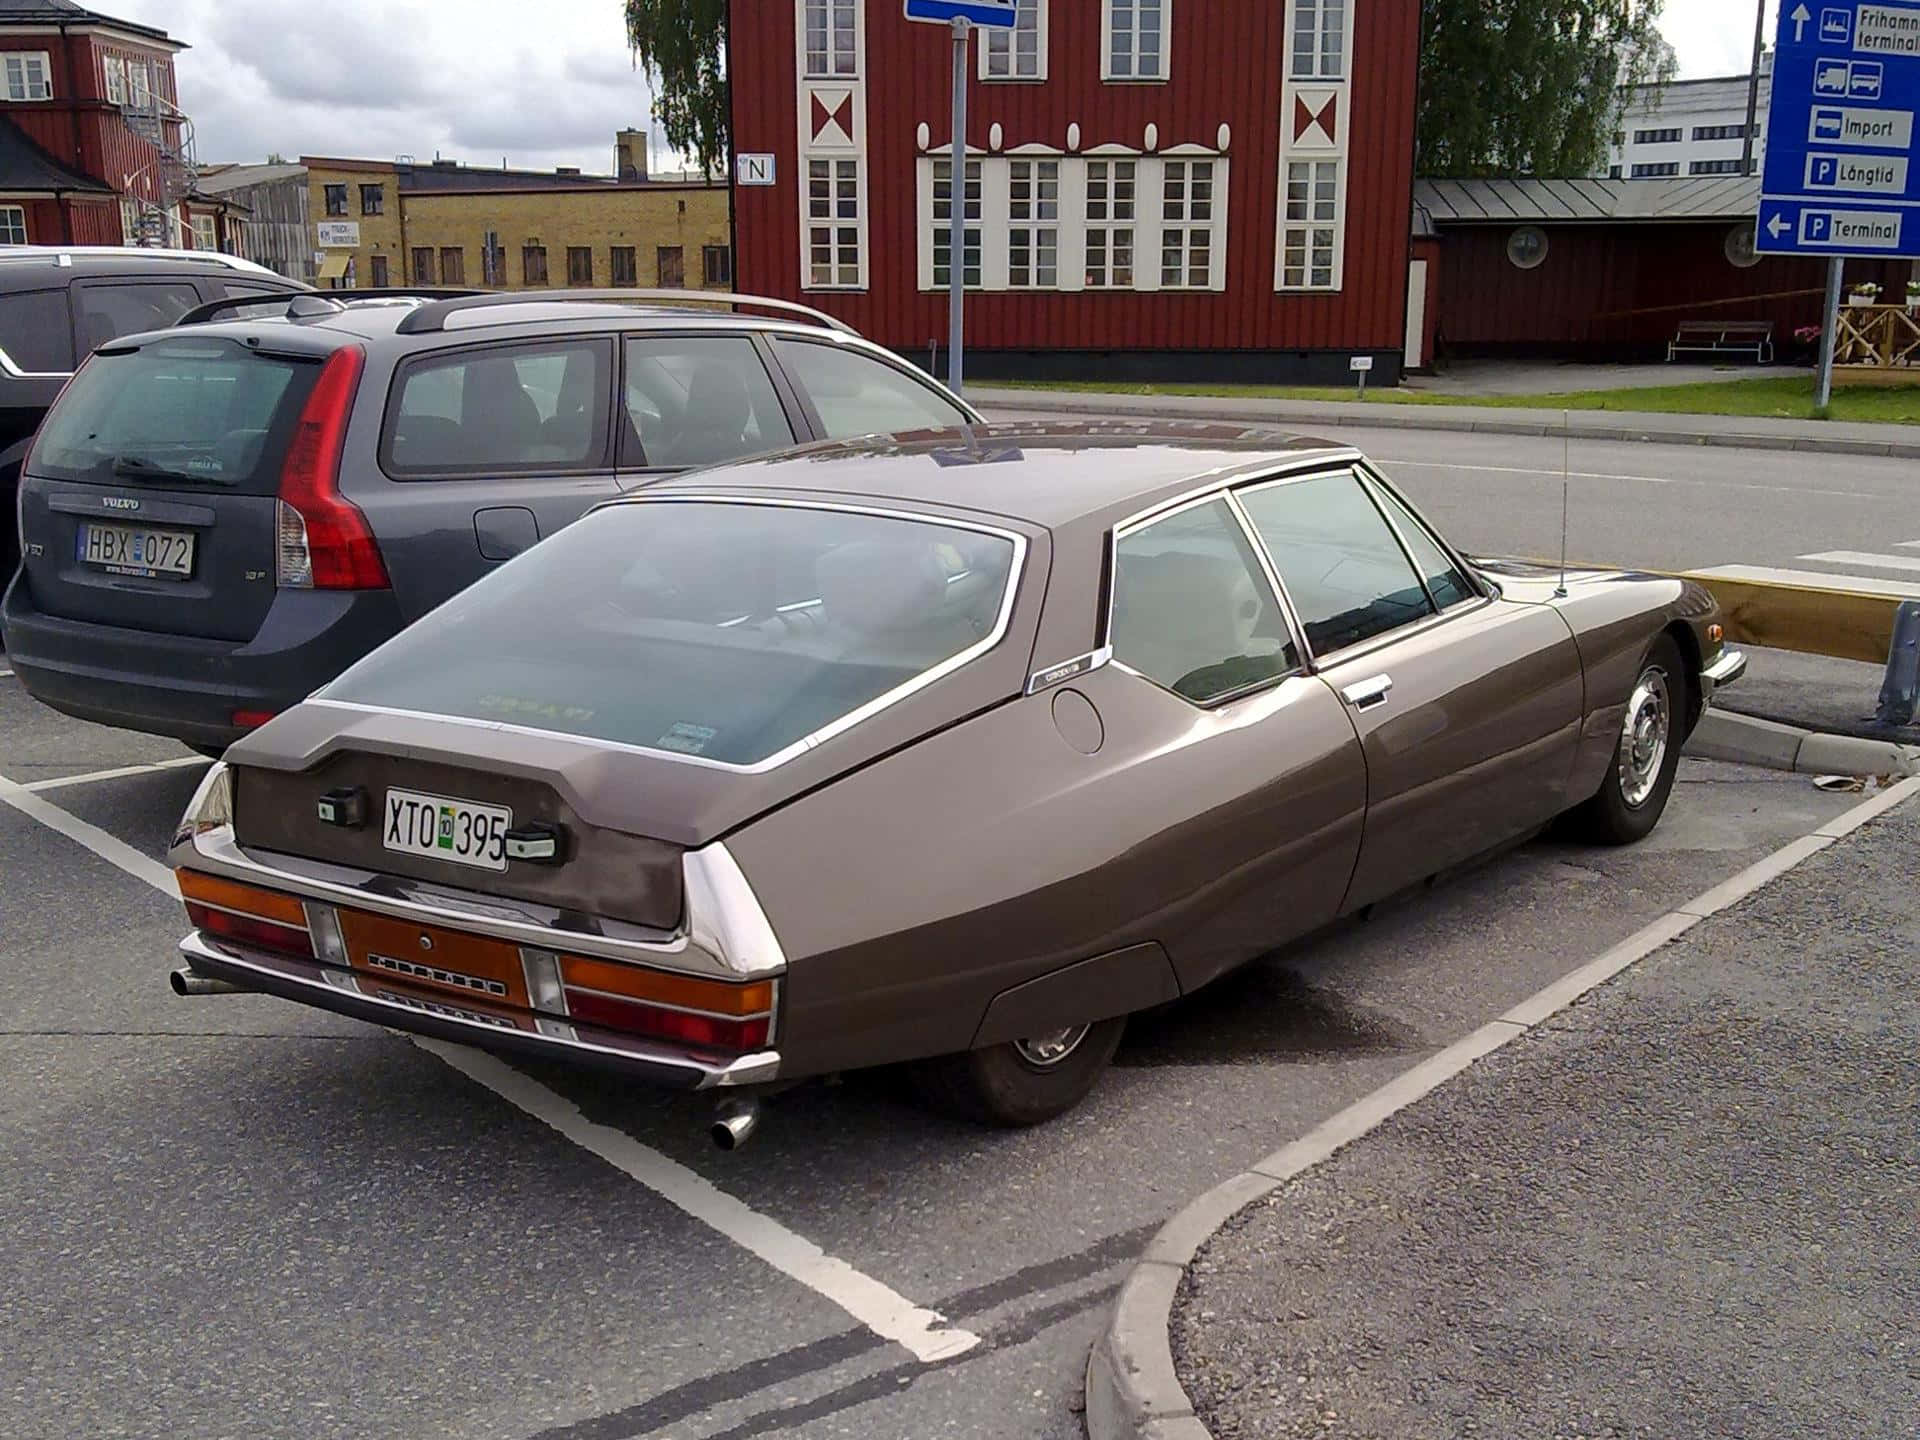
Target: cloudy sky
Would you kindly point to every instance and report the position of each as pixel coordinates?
(540, 84)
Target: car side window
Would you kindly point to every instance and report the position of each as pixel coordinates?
(106, 312)
(855, 394)
(698, 400)
(1192, 609)
(36, 331)
(502, 410)
(1445, 581)
(1347, 576)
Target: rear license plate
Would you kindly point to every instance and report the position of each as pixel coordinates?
(136, 550)
(443, 829)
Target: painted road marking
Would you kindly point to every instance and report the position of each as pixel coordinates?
(6, 674)
(1811, 580)
(874, 1305)
(882, 1310)
(1862, 557)
(61, 782)
(1554, 474)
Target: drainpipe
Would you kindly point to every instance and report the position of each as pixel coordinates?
(406, 255)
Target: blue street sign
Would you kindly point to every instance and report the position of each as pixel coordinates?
(1842, 176)
(989, 14)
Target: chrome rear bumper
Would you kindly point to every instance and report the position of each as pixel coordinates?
(469, 1021)
(1727, 667)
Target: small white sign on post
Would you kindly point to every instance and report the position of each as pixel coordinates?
(1361, 366)
(753, 169)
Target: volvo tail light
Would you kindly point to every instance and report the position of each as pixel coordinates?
(324, 541)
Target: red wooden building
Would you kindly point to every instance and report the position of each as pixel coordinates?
(1152, 188)
(94, 149)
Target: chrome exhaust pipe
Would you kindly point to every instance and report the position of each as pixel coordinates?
(734, 1123)
(186, 982)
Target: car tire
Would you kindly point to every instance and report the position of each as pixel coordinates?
(1639, 778)
(1013, 1084)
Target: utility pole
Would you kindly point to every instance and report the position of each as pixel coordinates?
(1753, 84)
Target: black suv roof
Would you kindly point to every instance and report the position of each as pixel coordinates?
(36, 267)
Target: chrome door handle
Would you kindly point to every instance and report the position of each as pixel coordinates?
(1365, 694)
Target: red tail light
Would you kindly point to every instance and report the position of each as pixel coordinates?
(325, 542)
(251, 930)
(709, 1031)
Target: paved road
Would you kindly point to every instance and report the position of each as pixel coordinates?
(1684, 1208)
(237, 1217)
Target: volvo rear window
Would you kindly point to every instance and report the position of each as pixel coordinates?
(190, 411)
(729, 632)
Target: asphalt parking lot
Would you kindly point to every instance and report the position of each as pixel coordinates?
(233, 1216)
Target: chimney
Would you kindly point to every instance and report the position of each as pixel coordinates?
(630, 154)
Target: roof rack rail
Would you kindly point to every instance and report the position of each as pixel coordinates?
(431, 318)
(64, 255)
(335, 300)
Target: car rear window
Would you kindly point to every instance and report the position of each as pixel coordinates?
(730, 632)
(180, 411)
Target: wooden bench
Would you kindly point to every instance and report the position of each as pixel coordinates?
(1723, 337)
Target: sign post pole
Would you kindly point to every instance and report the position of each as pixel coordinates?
(1829, 332)
(957, 197)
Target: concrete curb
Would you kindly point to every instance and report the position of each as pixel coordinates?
(1433, 417)
(1748, 740)
(1133, 1389)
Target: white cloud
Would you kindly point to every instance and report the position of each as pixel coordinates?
(480, 80)
(1713, 37)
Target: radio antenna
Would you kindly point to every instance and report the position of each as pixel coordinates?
(1566, 466)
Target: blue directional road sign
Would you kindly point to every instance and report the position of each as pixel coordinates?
(1842, 175)
(989, 14)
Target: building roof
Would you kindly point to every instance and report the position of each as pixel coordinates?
(1543, 202)
(25, 166)
(67, 12)
(223, 179)
(448, 177)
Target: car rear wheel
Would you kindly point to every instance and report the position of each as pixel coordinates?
(1021, 1082)
(1634, 793)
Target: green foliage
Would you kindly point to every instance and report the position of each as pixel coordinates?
(682, 45)
(1530, 87)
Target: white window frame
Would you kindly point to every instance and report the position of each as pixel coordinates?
(1309, 34)
(973, 245)
(139, 83)
(13, 224)
(1186, 230)
(1134, 76)
(206, 233)
(34, 69)
(1001, 46)
(1301, 277)
(834, 65)
(114, 71)
(1104, 177)
(1035, 231)
(830, 229)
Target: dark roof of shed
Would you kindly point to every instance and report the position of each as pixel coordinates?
(1041, 472)
(24, 165)
(1542, 201)
(67, 12)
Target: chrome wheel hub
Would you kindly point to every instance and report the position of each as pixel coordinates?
(1053, 1047)
(1644, 737)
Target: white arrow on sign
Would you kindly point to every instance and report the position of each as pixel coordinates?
(1800, 17)
(1776, 225)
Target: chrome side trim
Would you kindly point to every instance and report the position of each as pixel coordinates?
(309, 982)
(13, 372)
(729, 937)
(1003, 621)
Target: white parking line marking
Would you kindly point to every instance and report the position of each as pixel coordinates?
(882, 1310)
(109, 848)
(1862, 557)
(1910, 544)
(890, 1315)
(61, 782)
(1813, 580)
(6, 674)
(1552, 474)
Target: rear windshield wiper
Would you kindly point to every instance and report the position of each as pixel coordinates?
(140, 468)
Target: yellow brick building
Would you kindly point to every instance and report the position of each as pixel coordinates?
(378, 223)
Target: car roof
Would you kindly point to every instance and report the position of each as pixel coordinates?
(1051, 474)
(31, 266)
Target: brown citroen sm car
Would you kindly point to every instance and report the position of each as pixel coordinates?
(952, 749)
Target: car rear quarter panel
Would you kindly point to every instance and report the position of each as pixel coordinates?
(911, 894)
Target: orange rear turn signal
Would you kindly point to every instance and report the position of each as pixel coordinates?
(247, 899)
(712, 997)
(1714, 634)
